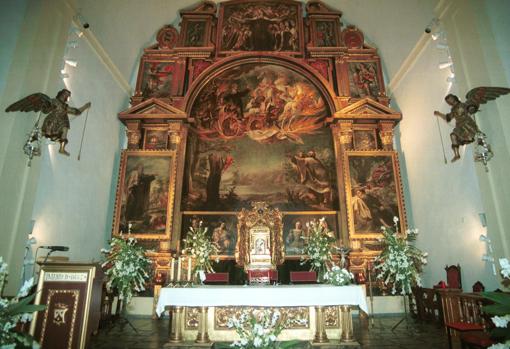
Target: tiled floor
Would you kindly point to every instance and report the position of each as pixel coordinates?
(153, 334)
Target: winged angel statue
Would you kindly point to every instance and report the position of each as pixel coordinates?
(466, 130)
(56, 124)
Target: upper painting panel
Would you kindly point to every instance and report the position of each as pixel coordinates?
(270, 26)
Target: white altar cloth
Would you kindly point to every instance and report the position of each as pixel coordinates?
(262, 296)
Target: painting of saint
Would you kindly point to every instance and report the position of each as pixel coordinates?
(195, 33)
(326, 34)
(296, 231)
(375, 196)
(155, 139)
(222, 230)
(227, 176)
(157, 79)
(266, 102)
(364, 140)
(363, 79)
(142, 204)
(260, 26)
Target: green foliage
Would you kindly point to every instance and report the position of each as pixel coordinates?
(318, 246)
(126, 267)
(199, 246)
(400, 263)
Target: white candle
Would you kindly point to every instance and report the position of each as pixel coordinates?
(179, 269)
(189, 268)
(172, 269)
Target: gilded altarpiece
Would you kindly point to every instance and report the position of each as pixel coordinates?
(257, 102)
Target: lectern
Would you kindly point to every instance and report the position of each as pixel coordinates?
(72, 295)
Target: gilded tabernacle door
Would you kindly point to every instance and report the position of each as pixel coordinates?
(260, 238)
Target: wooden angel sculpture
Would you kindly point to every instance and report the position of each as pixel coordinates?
(466, 128)
(56, 124)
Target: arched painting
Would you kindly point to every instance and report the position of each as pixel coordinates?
(260, 137)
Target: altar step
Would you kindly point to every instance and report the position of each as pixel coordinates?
(382, 305)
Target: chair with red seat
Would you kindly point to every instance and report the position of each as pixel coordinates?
(462, 313)
(476, 340)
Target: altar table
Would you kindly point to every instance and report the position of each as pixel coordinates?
(316, 296)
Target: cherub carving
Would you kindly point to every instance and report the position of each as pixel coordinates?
(466, 128)
(56, 124)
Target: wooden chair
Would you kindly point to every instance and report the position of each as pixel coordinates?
(461, 313)
(453, 278)
(478, 287)
(476, 340)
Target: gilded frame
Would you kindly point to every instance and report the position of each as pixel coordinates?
(345, 68)
(358, 142)
(165, 169)
(158, 132)
(385, 172)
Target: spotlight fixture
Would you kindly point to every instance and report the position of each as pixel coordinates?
(444, 65)
(442, 46)
(451, 78)
(72, 62)
(487, 258)
(484, 238)
(72, 44)
(432, 25)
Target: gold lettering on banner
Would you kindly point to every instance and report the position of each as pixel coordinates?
(69, 277)
(59, 314)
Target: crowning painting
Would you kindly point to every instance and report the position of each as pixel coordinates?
(374, 192)
(260, 26)
(259, 138)
(145, 194)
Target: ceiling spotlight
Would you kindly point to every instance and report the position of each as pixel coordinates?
(484, 238)
(71, 62)
(444, 65)
(442, 46)
(437, 35)
(487, 258)
(451, 78)
(72, 44)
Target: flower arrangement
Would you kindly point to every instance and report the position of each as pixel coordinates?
(338, 276)
(400, 263)
(260, 329)
(14, 311)
(501, 310)
(126, 267)
(199, 246)
(318, 247)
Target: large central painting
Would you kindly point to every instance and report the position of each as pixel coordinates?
(260, 137)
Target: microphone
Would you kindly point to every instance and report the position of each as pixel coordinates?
(56, 248)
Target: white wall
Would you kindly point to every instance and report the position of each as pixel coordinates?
(74, 200)
(443, 199)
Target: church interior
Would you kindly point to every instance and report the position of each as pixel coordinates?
(254, 123)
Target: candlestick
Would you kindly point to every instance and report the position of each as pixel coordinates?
(189, 268)
(179, 269)
(172, 269)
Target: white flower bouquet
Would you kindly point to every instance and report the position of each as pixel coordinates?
(501, 310)
(338, 276)
(318, 247)
(199, 246)
(260, 329)
(400, 263)
(126, 267)
(14, 311)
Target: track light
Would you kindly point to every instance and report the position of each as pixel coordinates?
(484, 238)
(442, 46)
(451, 78)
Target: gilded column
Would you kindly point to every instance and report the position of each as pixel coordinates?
(133, 134)
(320, 328)
(347, 334)
(176, 325)
(202, 336)
(386, 134)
